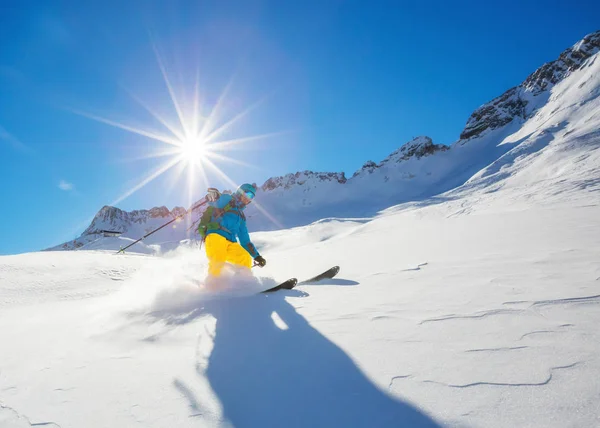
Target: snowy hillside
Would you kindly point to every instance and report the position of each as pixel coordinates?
(436, 319)
(537, 134)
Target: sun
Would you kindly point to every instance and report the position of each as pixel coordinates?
(193, 150)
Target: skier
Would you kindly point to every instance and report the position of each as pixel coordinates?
(222, 225)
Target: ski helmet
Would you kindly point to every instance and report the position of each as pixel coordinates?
(246, 193)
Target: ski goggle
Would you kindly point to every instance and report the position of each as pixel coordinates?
(249, 195)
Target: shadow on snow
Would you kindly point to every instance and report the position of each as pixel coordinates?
(267, 374)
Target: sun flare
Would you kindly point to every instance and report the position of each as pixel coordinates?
(193, 150)
(194, 139)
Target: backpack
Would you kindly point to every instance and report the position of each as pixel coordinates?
(206, 225)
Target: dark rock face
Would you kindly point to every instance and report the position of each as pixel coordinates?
(419, 147)
(513, 103)
(107, 215)
(570, 60)
(498, 112)
(416, 148)
(369, 167)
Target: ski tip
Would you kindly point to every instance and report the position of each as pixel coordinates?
(290, 283)
(286, 285)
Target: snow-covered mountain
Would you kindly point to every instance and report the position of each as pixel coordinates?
(552, 115)
(112, 228)
(545, 129)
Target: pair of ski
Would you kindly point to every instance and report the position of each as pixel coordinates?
(292, 282)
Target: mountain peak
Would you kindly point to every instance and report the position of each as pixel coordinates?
(520, 101)
(419, 147)
(569, 60)
(416, 148)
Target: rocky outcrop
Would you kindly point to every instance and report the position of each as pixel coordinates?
(415, 149)
(107, 218)
(116, 220)
(515, 103)
(498, 112)
(570, 60)
(300, 178)
(178, 211)
(368, 168)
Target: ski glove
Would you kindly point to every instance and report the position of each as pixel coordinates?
(260, 260)
(213, 194)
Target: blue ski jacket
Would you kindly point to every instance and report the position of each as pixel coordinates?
(229, 215)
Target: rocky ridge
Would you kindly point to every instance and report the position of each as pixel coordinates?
(522, 101)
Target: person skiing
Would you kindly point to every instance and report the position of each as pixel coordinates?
(222, 225)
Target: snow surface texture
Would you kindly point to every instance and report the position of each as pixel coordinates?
(550, 122)
(474, 307)
(488, 319)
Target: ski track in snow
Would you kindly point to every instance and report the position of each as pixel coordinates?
(419, 266)
(595, 299)
(483, 383)
(10, 418)
(483, 314)
(501, 349)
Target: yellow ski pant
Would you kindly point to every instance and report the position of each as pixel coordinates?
(220, 251)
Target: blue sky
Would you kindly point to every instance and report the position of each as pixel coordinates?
(330, 84)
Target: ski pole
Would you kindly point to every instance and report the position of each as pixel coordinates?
(122, 250)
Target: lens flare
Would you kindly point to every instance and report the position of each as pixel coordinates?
(192, 142)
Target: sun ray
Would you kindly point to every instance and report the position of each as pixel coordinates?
(191, 199)
(142, 132)
(165, 123)
(165, 167)
(152, 155)
(267, 215)
(233, 120)
(225, 144)
(197, 104)
(176, 175)
(133, 159)
(231, 160)
(169, 87)
(190, 195)
(203, 173)
(160, 154)
(212, 117)
(221, 174)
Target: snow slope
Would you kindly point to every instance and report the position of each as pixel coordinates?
(488, 319)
